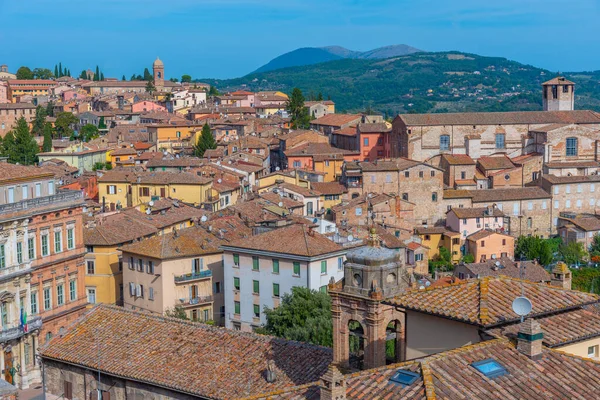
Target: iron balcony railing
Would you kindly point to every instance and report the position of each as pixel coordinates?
(18, 331)
(62, 196)
(193, 276)
(196, 300)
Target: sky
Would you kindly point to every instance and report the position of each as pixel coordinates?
(231, 38)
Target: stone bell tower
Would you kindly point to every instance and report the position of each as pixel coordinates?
(362, 324)
(159, 74)
(558, 94)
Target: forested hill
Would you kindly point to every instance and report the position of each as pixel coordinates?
(421, 82)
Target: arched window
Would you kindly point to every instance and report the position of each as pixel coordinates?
(444, 142)
(571, 147)
(393, 341)
(356, 344)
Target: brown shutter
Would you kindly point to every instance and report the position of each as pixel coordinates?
(67, 390)
(105, 395)
(107, 189)
(140, 192)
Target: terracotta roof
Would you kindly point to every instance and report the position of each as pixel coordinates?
(502, 118)
(548, 128)
(328, 187)
(495, 162)
(532, 271)
(336, 119)
(301, 190)
(376, 127)
(16, 106)
(124, 152)
(314, 149)
(475, 212)
(559, 80)
(395, 164)
(9, 172)
(348, 131)
(488, 301)
(288, 203)
(204, 360)
(507, 194)
(520, 159)
(293, 240)
(157, 162)
(558, 180)
(573, 164)
(458, 159)
(483, 234)
(153, 177)
(585, 222)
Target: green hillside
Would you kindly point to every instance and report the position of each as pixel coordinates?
(422, 82)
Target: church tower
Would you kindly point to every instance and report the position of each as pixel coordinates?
(363, 326)
(558, 94)
(159, 74)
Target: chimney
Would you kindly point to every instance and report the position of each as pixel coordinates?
(333, 384)
(561, 276)
(530, 339)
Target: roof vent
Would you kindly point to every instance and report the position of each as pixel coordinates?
(270, 374)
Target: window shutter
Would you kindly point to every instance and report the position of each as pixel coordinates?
(67, 390)
(132, 288)
(138, 291)
(108, 189)
(140, 191)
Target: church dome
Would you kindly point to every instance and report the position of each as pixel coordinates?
(158, 63)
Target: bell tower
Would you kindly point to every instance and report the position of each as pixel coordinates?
(363, 326)
(558, 94)
(159, 74)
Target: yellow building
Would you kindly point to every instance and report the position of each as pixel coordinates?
(32, 87)
(174, 138)
(436, 237)
(123, 188)
(124, 157)
(267, 182)
(331, 194)
(105, 236)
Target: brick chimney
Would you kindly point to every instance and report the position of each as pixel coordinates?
(561, 276)
(530, 339)
(333, 384)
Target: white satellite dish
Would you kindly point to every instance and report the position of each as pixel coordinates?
(151, 203)
(521, 306)
(350, 238)
(280, 204)
(148, 211)
(219, 180)
(204, 218)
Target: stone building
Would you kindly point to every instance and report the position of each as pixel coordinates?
(11, 112)
(574, 194)
(558, 94)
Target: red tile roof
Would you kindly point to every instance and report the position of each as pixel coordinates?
(336, 119)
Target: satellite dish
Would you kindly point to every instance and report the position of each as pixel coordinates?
(421, 287)
(427, 283)
(521, 306)
(148, 211)
(151, 203)
(315, 220)
(280, 204)
(350, 238)
(219, 180)
(204, 218)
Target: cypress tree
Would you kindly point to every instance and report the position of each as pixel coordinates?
(101, 76)
(123, 78)
(38, 123)
(300, 118)
(97, 75)
(56, 71)
(60, 70)
(83, 74)
(205, 142)
(47, 145)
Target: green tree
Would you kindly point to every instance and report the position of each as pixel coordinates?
(173, 79)
(535, 248)
(42, 73)
(50, 109)
(300, 119)
(63, 123)
(24, 73)
(83, 75)
(47, 145)
(101, 123)
(123, 78)
(186, 78)
(38, 123)
(60, 70)
(150, 88)
(213, 91)
(147, 75)
(89, 132)
(19, 146)
(56, 70)
(101, 76)
(205, 142)
(68, 73)
(595, 246)
(304, 315)
(586, 280)
(97, 74)
(468, 258)
(176, 312)
(320, 97)
(572, 253)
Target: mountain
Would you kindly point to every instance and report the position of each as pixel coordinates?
(421, 82)
(315, 55)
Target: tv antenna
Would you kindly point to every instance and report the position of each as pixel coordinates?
(522, 305)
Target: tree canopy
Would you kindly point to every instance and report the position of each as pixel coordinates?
(186, 78)
(150, 88)
(63, 123)
(300, 118)
(89, 132)
(24, 73)
(19, 146)
(303, 315)
(536, 248)
(38, 123)
(42, 73)
(213, 91)
(48, 131)
(205, 142)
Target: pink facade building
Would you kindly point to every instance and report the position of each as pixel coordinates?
(467, 221)
(3, 92)
(145, 105)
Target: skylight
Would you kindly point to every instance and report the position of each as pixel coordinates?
(490, 368)
(404, 378)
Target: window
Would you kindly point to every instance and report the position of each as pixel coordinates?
(500, 140)
(434, 196)
(34, 303)
(404, 378)
(372, 178)
(255, 263)
(529, 222)
(503, 242)
(71, 238)
(4, 314)
(407, 174)
(236, 283)
(556, 189)
(483, 243)
(297, 164)
(544, 205)
(276, 290)
(140, 265)
(421, 174)
(578, 203)
(463, 175)
(571, 147)
(530, 206)
(388, 178)
(151, 293)
(568, 189)
(432, 173)
(323, 267)
(358, 211)
(50, 187)
(197, 265)
(111, 189)
(57, 241)
(405, 196)
(418, 257)
(47, 298)
(556, 205)
(592, 188)
(464, 220)
(236, 260)
(144, 192)
(91, 267)
(73, 290)
(490, 368)
(592, 202)
(365, 142)
(516, 209)
(236, 307)
(444, 142)
(593, 351)
(340, 263)
(579, 188)
(255, 287)
(60, 294)
(296, 268)
(275, 266)
(568, 204)
(19, 252)
(31, 248)
(256, 311)
(38, 189)
(150, 267)
(91, 295)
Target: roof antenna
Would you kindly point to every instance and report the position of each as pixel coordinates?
(522, 305)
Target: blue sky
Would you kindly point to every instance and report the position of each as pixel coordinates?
(229, 38)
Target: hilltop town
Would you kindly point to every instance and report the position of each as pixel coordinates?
(162, 239)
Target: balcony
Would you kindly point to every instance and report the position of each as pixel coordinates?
(194, 301)
(58, 199)
(16, 332)
(194, 276)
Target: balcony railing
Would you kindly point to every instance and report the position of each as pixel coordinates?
(194, 275)
(62, 196)
(191, 301)
(18, 331)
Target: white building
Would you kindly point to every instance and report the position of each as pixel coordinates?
(259, 270)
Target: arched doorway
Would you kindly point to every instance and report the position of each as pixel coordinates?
(393, 336)
(356, 344)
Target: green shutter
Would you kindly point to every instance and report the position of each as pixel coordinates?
(236, 283)
(236, 259)
(256, 310)
(255, 286)
(276, 289)
(323, 267)
(255, 264)
(237, 307)
(296, 268)
(275, 266)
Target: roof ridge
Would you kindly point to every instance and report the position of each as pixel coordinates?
(427, 377)
(483, 300)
